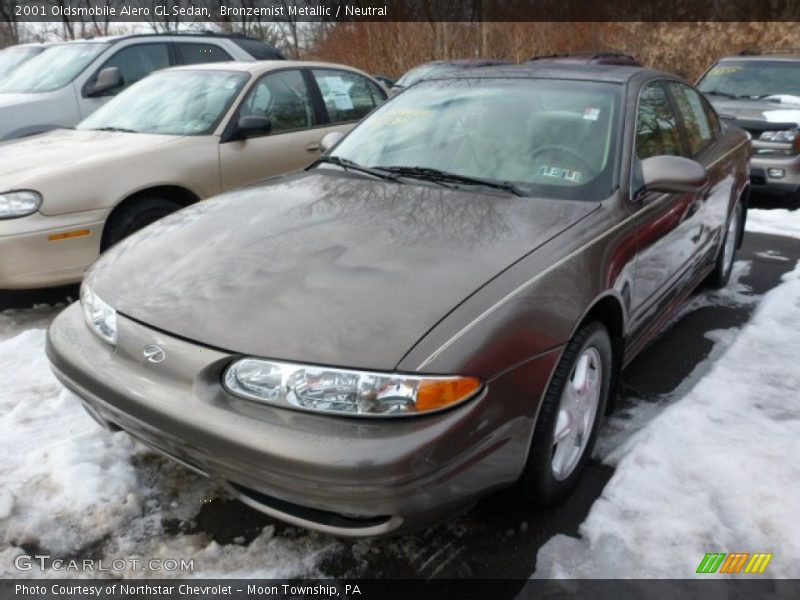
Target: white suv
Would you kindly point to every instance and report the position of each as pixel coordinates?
(67, 82)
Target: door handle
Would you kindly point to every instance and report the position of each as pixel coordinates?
(314, 147)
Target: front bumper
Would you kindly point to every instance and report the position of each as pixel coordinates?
(344, 476)
(761, 180)
(30, 259)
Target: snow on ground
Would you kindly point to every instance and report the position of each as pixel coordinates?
(71, 489)
(716, 471)
(778, 221)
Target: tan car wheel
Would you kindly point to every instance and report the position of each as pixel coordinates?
(134, 216)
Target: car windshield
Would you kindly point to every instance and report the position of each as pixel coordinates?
(52, 69)
(11, 58)
(171, 103)
(752, 78)
(549, 138)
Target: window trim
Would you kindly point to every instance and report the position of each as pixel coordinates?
(171, 57)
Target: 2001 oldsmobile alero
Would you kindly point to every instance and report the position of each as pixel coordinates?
(439, 308)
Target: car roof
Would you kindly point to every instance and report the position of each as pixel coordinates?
(258, 67)
(788, 56)
(556, 70)
(255, 47)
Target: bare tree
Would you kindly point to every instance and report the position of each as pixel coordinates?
(9, 28)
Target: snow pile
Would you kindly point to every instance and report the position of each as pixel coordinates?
(775, 221)
(715, 472)
(73, 490)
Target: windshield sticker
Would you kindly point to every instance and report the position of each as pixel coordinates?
(559, 173)
(591, 114)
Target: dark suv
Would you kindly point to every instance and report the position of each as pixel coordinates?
(761, 93)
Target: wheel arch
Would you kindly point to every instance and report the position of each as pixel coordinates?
(609, 310)
(177, 193)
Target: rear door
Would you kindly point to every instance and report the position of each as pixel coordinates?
(347, 97)
(285, 98)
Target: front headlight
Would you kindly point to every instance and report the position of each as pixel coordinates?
(100, 317)
(345, 392)
(789, 140)
(19, 204)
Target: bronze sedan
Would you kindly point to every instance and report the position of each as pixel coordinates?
(439, 308)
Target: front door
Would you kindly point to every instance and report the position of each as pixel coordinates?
(293, 140)
(670, 229)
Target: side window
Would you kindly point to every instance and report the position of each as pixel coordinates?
(282, 97)
(193, 54)
(137, 62)
(693, 113)
(656, 126)
(347, 96)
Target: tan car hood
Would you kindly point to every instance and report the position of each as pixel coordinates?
(323, 267)
(23, 160)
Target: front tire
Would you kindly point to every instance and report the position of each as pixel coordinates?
(135, 215)
(727, 253)
(567, 426)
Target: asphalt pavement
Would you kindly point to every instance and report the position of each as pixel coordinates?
(500, 536)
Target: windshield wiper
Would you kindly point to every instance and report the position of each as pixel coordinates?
(723, 94)
(349, 165)
(116, 129)
(438, 176)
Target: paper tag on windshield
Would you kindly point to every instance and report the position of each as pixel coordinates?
(339, 94)
(591, 114)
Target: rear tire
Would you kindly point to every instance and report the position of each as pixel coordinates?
(567, 426)
(137, 214)
(723, 268)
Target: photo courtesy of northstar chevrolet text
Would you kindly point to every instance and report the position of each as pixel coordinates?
(426, 301)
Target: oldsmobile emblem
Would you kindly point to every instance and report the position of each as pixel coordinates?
(154, 354)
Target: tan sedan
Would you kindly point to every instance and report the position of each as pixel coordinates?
(176, 137)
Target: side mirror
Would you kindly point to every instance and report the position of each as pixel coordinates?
(252, 125)
(107, 79)
(673, 174)
(330, 140)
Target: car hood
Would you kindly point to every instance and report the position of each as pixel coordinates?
(758, 110)
(16, 99)
(323, 267)
(22, 160)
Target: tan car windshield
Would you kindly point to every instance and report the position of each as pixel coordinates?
(171, 103)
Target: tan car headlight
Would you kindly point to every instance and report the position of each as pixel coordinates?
(19, 203)
(345, 392)
(100, 317)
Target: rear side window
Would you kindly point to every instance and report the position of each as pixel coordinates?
(193, 54)
(283, 98)
(137, 62)
(347, 96)
(656, 126)
(695, 120)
